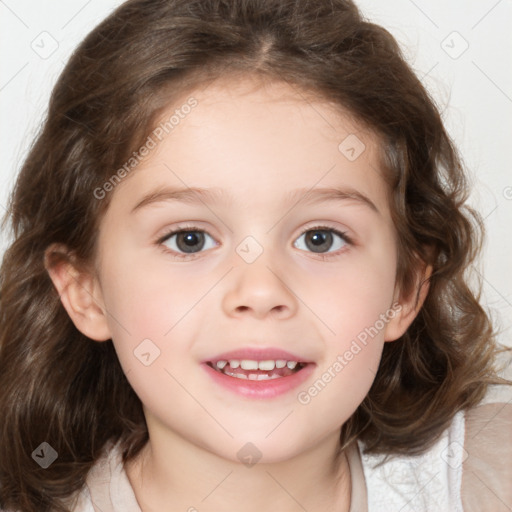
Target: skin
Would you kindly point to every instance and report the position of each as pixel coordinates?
(258, 143)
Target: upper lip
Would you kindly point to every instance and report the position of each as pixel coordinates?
(257, 354)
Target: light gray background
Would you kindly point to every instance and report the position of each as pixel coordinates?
(461, 49)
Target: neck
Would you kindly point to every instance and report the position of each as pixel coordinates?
(173, 474)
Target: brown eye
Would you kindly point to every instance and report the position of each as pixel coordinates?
(186, 241)
(321, 239)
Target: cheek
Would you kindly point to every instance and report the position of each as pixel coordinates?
(354, 304)
(155, 312)
(147, 295)
(152, 314)
(351, 294)
(343, 381)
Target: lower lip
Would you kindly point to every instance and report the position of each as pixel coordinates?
(261, 389)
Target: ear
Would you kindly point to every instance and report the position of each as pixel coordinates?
(409, 306)
(79, 293)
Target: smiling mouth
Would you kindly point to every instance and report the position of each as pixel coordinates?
(257, 370)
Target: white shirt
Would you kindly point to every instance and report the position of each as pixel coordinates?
(431, 482)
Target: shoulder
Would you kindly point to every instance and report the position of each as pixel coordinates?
(468, 469)
(418, 483)
(487, 465)
(107, 488)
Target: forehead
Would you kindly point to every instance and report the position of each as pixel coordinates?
(261, 139)
(274, 108)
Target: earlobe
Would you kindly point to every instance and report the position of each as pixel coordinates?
(410, 307)
(79, 293)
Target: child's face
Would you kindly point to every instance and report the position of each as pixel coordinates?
(256, 146)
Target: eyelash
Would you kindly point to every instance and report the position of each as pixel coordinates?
(185, 229)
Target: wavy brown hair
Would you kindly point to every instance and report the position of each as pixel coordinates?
(58, 386)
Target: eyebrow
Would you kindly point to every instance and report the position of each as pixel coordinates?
(194, 195)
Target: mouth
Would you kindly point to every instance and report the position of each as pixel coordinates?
(250, 369)
(259, 372)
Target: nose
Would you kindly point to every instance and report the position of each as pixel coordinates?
(259, 290)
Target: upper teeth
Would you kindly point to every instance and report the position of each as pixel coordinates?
(250, 364)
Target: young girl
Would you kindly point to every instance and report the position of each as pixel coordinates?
(238, 278)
